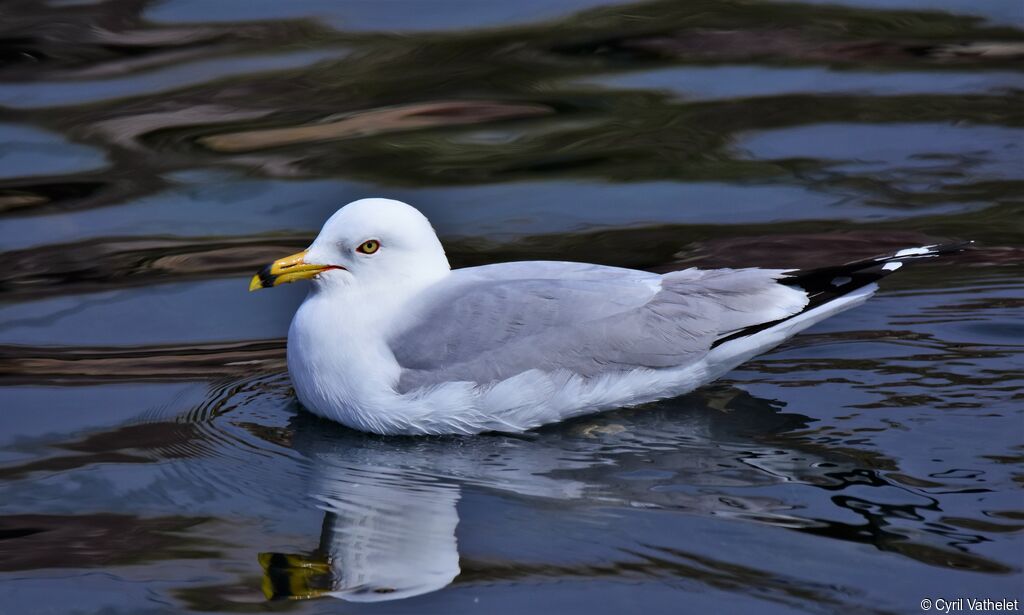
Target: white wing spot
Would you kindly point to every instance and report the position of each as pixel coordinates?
(914, 251)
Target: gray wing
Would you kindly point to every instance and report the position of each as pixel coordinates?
(486, 324)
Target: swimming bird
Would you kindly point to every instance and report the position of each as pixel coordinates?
(392, 340)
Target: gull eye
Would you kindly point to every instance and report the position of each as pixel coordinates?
(369, 246)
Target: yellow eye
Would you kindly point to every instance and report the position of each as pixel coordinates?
(369, 246)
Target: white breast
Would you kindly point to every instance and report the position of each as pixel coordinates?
(340, 366)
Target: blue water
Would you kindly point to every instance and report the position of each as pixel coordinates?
(154, 155)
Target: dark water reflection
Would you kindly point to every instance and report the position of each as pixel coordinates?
(154, 153)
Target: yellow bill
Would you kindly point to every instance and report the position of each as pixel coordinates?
(285, 270)
(295, 576)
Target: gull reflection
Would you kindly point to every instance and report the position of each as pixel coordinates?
(388, 533)
(391, 505)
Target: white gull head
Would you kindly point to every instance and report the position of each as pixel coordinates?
(375, 243)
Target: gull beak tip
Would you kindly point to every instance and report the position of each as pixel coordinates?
(265, 278)
(285, 270)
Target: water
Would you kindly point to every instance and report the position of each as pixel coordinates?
(154, 154)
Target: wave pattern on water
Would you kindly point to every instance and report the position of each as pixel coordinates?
(155, 154)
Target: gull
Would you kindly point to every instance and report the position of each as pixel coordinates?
(392, 340)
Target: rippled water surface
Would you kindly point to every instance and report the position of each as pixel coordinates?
(153, 154)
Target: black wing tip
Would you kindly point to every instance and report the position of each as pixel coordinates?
(827, 283)
(930, 251)
(877, 264)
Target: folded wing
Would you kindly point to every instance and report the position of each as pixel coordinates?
(487, 324)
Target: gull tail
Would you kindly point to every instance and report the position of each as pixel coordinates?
(835, 289)
(828, 283)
